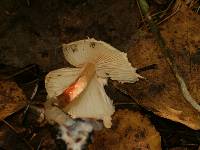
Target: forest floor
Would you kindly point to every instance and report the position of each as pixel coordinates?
(151, 114)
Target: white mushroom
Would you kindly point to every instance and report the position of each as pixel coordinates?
(80, 91)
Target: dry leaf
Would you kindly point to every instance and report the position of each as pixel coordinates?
(160, 93)
(130, 130)
(182, 36)
(12, 98)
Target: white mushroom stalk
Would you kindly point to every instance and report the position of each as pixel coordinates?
(80, 91)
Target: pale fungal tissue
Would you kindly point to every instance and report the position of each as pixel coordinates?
(79, 91)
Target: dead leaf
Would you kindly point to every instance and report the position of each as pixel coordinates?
(160, 93)
(130, 130)
(12, 98)
(182, 36)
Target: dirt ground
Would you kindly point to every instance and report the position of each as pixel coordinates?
(33, 31)
(31, 34)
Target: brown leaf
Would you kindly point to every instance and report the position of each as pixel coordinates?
(160, 93)
(12, 98)
(182, 36)
(130, 130)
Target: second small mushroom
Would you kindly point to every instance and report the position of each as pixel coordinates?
(79, 91)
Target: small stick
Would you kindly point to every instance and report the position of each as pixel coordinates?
(168, 17)
(34, 91)
(145, 68)
(14, 130)
(31, 98)
(141, 13)
(28, 3)
(19, 72)
(39, 145)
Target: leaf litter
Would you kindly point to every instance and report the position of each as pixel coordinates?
(130, 130)
(159, 92)
(12, 98)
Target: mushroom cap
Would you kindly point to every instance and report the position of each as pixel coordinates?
(110, 62)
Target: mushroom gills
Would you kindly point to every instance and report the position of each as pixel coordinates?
(109, 61)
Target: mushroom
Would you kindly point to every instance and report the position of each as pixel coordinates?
(80, 91)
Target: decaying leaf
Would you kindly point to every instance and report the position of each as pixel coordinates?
(130, 130)
(12, 98)
(182, 35)
(160, 93)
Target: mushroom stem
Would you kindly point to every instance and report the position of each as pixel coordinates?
(77, 87)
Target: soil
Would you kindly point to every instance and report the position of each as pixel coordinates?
(33, 31)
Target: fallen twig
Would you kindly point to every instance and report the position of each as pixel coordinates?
(168, 55)
(28, 3)
(14, 130)
(20, 72)
(39, 145)
(34, 91)
(145, 68)
(31, 98)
